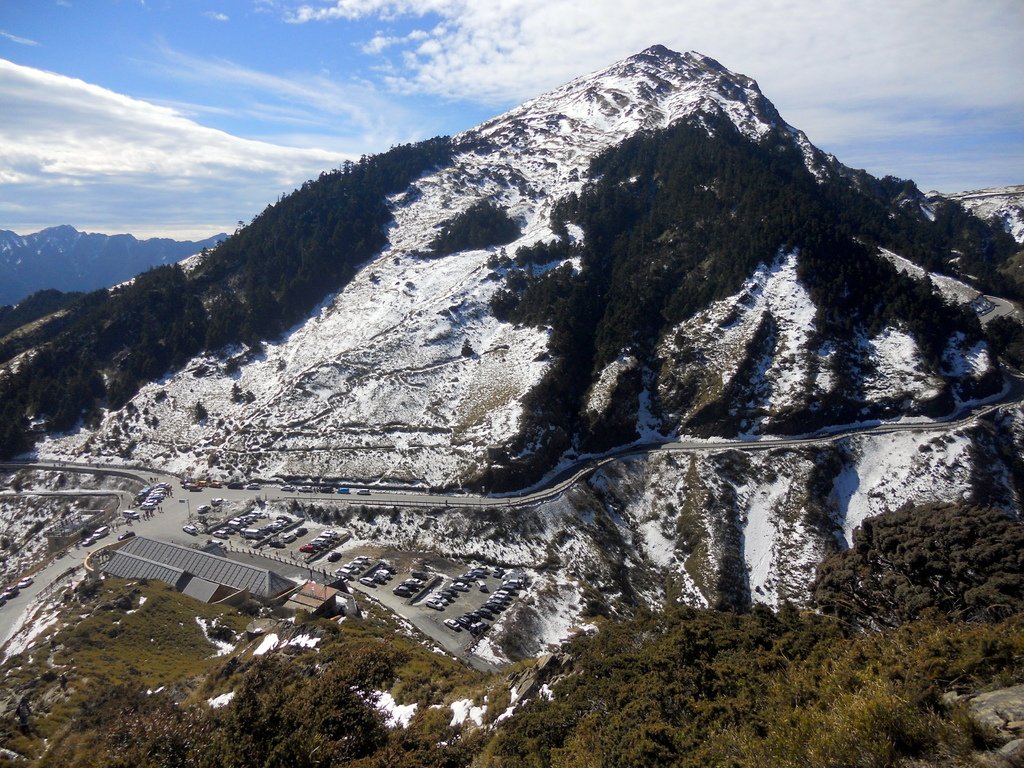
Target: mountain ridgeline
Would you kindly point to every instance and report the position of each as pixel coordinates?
(64, 259)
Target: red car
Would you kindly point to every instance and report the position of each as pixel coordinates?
(307, 548)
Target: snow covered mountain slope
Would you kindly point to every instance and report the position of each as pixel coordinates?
(405, 374)
(1005, 204)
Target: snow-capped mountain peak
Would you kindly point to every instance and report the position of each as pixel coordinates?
(650, 90)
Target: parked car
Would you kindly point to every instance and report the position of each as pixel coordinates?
(25, 582)
(367, 581)
(288, 538)
(235, 485)
(202, 509)
(334, 557)
(402, 590)
(284, 519)
(252, 486)
(301, 531)
(288, 488)
(308, 547)
(190, 529)
(276, 543)
(452, 624)
(131, 514)
(126, 535)
(363, 491)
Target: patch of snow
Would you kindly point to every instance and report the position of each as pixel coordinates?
(511, 710)
(890, 470)
(22, 641)
(485, 649)
(221, 701)
(223, 648)
(600, 396)
(304, 641)
(961, 361)
(398, 715)
(268, 643)
(895, 367)
(464, 709)
(1004, 204)
(712, 345)
(951, 289)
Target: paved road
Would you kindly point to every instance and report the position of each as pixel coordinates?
(553, 486)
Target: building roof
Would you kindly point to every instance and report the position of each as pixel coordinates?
(312, 596)
(200, 589)
(147, 558)
(317, 591)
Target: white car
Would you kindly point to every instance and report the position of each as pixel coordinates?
(131, 514)
(25, 582)
(191, 530)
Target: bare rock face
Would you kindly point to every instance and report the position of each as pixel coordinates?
(1002, 710)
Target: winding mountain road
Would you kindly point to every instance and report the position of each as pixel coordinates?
(167, 524)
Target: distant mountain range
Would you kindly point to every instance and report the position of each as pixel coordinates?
(69, 260)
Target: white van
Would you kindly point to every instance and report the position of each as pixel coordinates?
(251, 533)
(100, 532)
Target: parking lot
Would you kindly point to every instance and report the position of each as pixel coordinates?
(446, 603)
(453, 603)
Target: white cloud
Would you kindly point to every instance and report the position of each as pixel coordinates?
(216, 16)
(354, 108)
(16, 39)
(84, 152)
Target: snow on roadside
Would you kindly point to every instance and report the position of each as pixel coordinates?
(890, 470)
(40, 622)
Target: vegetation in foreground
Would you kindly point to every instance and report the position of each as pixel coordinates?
(677, 687)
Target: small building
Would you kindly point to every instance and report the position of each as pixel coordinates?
(201, 574)
(321, 600)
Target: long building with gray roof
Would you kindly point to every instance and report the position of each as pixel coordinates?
(202, 574)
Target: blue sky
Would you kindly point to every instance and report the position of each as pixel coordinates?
(179, 118)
